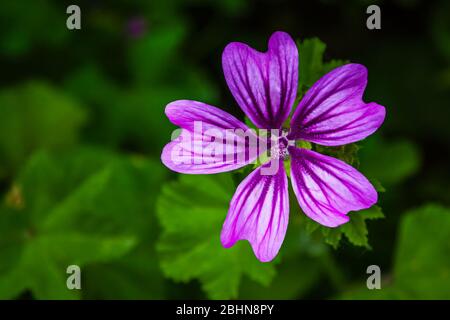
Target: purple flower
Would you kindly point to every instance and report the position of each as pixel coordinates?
(331, 113)
(136, 27)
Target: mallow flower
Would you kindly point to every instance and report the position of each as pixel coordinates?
(331, 113)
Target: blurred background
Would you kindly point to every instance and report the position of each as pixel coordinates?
(82, 126)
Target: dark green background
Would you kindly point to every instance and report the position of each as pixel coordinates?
(82, 126)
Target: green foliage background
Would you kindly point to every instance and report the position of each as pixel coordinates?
(82, 125)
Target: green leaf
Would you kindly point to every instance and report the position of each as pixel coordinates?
(135, 275)
(312, 66)
(191, 212)
(65, 211)
(311, 63)
(150, 56)
(389, 162)
(347, 153)
(304, 269)
(249, 123)
(421, 263)
(332, 236)
(129, 276)
(81, 249)
(141, 124)
(43, 264)
(24, 28)
(355, 230)
(35, 116)
(377, 185)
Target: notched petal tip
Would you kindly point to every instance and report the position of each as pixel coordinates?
(327, 189)
(210, 140)
(333, 113)
(264, 84)
(259, 254)
(283, 38)
(259, 213)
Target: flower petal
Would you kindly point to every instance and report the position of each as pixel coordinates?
(211, 141)
(333, 113)
(263, 84)
(328, 188)
(259, 212)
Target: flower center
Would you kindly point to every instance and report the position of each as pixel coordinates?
(279, 148)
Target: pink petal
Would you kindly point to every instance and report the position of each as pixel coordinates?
(328, 188)
(259, 213)
(333, 113)
(263, 84)
(209, 141)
